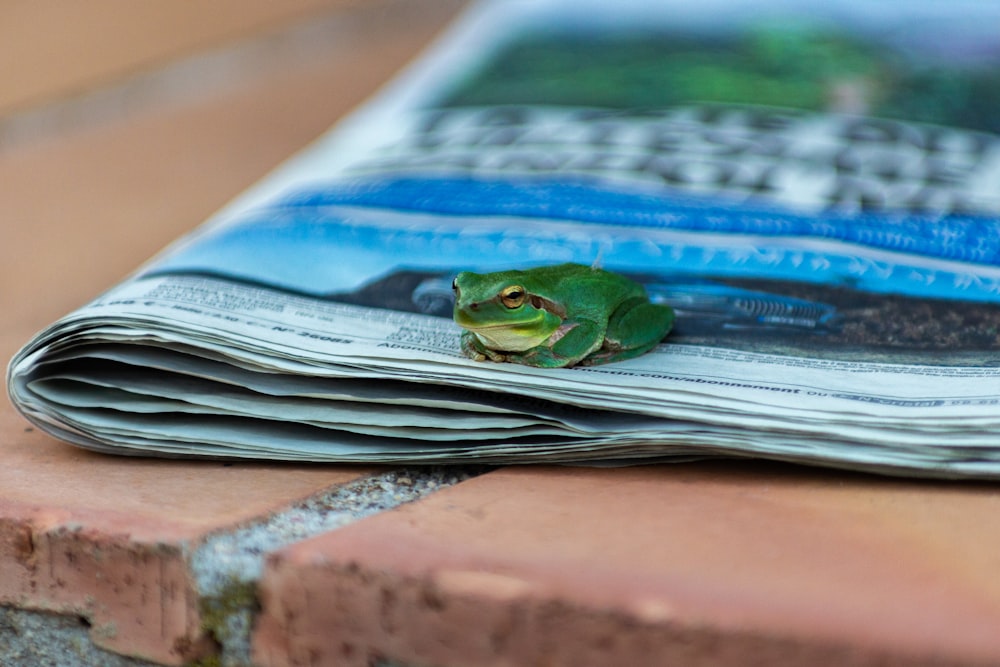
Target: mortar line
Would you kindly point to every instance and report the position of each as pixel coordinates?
(227, 565)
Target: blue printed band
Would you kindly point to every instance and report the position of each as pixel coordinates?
(959, 238)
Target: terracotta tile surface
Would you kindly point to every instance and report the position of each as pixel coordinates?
(147, 500)
(719, 564)
(52, 49)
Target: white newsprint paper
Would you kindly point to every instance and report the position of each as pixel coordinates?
(814, 187)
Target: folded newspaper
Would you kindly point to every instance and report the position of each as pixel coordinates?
(814, 187)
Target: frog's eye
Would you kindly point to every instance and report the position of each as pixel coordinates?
(454, 284)
(513, 296)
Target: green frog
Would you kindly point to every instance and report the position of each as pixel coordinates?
(557, 316)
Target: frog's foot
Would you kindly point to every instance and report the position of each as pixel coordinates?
(473, 349)
(485, 355)
(488, 356)
(493, 355)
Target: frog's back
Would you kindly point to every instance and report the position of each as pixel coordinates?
(580, 273)
(581, 284)
(559, 275)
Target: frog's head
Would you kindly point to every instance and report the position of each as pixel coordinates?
(501, 311)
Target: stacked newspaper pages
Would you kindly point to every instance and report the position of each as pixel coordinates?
(814, 187)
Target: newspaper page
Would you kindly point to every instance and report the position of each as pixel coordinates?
(814, 187)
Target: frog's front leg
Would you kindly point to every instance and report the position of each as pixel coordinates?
(473, 348)
(635, 328)
(570, 343)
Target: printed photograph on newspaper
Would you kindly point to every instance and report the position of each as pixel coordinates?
(806, 185)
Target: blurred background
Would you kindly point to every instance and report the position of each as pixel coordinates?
(124, 124)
